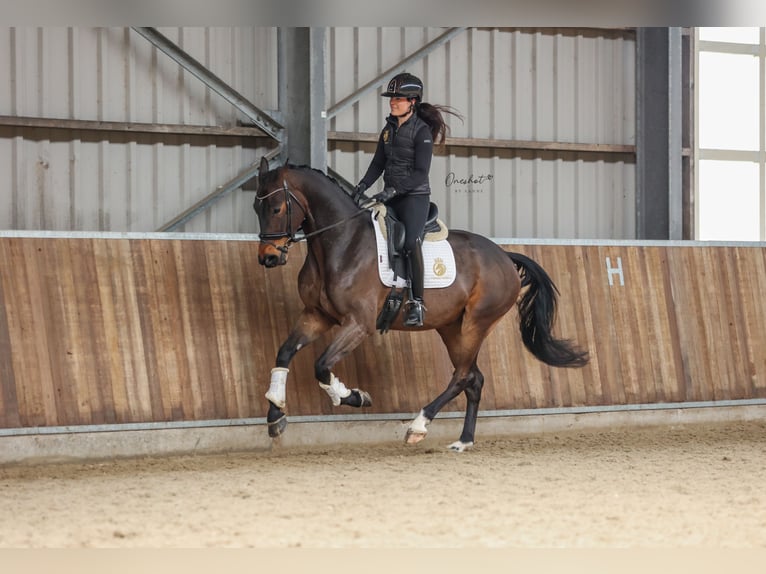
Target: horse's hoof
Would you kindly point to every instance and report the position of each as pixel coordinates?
(459, 446)
(277, 427)
(365, 398)
(413, 437)
(357, 399)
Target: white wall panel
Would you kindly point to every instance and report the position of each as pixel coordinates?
(514, 84)
(59, 179)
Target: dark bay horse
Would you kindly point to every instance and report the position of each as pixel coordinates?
(339, 286)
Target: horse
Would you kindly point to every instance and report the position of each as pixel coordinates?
(339, 287)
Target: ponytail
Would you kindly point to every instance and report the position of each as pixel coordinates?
(432, 115)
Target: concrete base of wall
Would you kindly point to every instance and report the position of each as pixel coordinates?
(88, 446)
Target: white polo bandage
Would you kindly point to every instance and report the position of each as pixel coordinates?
(276, 392)
(336, 389)
(419, 424)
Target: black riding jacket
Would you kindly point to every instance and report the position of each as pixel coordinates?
(404, 156)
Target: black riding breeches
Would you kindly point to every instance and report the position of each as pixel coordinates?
(412, 211)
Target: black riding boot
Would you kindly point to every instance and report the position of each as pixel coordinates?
(415, 310)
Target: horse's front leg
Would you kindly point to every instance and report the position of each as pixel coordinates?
(310, 325)
(350, 334)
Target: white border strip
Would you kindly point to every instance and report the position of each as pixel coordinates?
(177, 236)
(166, 235)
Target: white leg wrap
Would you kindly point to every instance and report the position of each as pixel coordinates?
(336, 389)
(276, 392)
(418, 425)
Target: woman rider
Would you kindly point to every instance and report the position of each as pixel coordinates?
(403, 156)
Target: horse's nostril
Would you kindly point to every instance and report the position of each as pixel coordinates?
(271, 261)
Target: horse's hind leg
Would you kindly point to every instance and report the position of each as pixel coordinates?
(473, 396)
(463, 341)
(418, 428)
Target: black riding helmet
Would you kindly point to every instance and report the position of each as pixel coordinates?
(404, 85)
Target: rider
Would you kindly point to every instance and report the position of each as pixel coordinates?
(403, 156)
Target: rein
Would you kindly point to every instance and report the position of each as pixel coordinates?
(289, 233)
(327, 228)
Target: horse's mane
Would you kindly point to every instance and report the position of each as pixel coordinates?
(304, 167)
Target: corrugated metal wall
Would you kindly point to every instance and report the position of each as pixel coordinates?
(521, 84)
(518, 84)
(60, 179)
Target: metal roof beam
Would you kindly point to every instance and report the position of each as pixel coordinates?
(219, 193)
(261, 119)
(401, 66)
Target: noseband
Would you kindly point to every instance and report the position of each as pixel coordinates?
(289, 232)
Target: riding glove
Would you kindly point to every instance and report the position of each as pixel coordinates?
(387, 194)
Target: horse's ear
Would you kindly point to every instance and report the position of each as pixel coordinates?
(263, 167)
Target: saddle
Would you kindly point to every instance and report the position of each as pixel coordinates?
(394, 232)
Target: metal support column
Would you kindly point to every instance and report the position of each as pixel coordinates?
(303, 54)
(675, 139)
(659, 115)
(318, 95)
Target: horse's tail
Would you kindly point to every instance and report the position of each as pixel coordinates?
(537, 309)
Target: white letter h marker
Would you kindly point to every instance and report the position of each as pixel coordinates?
(612, 271)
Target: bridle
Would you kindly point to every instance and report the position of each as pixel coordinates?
(289, 233)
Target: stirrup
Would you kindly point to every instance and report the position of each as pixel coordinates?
(415, 312)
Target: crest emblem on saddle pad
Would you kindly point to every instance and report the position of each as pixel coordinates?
(438, 260)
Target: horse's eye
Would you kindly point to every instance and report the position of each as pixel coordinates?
(276, 210)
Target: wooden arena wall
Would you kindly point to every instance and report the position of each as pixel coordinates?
(114, 330)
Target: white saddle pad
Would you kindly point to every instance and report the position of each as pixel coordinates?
(438, 260)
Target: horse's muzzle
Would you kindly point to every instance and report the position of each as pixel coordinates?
(270, 255)
(272, 260)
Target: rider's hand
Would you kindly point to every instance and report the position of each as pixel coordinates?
(385, 195)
